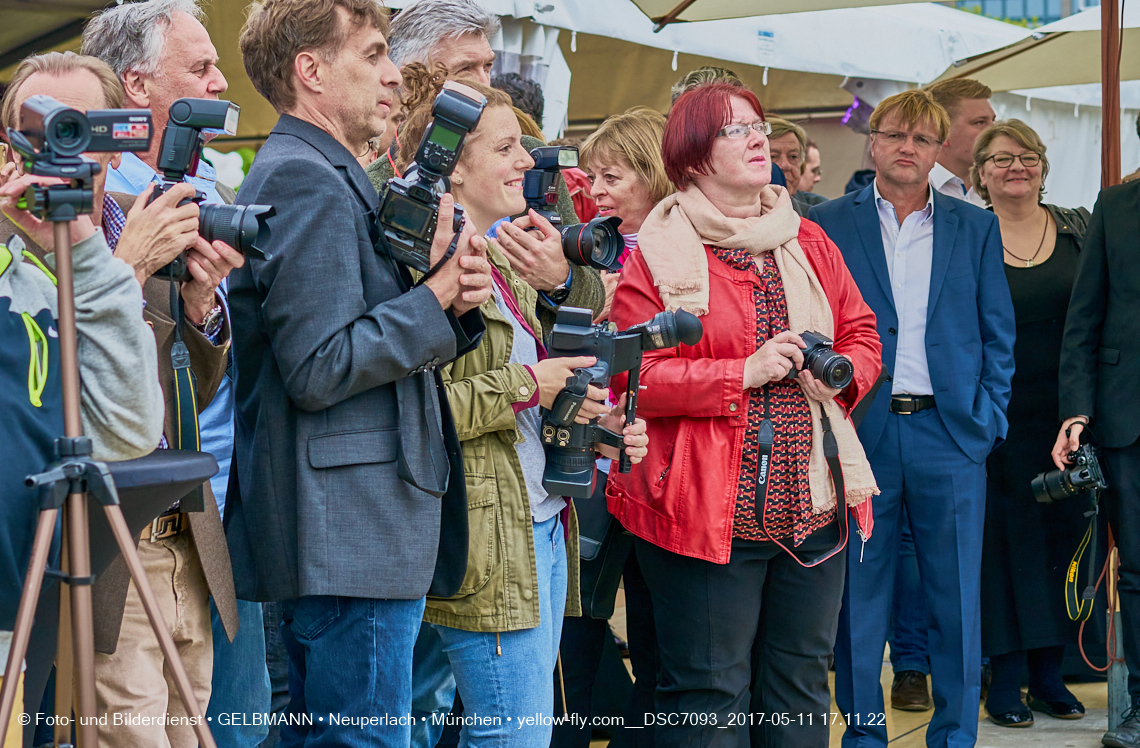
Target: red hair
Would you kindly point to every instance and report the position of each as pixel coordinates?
(693, 123)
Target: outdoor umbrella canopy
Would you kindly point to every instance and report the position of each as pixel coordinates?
(664, 12)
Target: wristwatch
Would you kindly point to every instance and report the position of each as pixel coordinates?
(562, 291)
(211, 323)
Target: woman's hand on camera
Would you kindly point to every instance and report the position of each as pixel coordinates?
(551, 375)
(535, 255)
(157, 233)
(41, 232)
(633, 435)
(816, 389)
(773, 360)
(1068, 440)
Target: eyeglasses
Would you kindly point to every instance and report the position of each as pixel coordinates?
(893, 137)
(1029, 159)
(741, 131)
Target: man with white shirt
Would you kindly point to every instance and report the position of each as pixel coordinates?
(930, 267)
(161, 52)
(968, 103)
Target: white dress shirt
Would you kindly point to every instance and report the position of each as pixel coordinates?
(950, 185)
(909, 249)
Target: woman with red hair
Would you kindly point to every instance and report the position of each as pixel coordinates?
(735, 511)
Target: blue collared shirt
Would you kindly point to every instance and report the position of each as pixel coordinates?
(217, 420)
(909, 248)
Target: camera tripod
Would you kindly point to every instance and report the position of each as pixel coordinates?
(64, 486)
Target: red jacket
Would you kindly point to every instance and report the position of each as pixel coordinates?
(681, 497)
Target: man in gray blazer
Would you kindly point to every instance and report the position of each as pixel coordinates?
(350, 500)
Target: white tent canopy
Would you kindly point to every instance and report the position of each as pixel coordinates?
(711, 10)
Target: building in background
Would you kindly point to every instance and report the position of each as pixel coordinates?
(1030, 12)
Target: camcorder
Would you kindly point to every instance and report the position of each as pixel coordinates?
(1084, 475)
(50, 140)
(243, 227)
(410, 209)
(831, 368)
(597, 243)
(569, 445)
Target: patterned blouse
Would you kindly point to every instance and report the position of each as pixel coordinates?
(788, 511)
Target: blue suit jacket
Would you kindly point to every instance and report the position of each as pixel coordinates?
(970, 324)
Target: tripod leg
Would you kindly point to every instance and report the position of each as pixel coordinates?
(82, 620)
(165, 641)
(64, 663)
(25, 614)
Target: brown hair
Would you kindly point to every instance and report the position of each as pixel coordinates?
(527, 123)
(953, 92)
(421, 86)
(701, 76)
(633, 137)
(1020, 133)
(781, 127)
(913, 107)
(276, 31)
(56, 64)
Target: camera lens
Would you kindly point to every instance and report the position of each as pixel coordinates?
(68, 133)
(837, 371)
(598, 243)
(243, 227)
(1054, 485)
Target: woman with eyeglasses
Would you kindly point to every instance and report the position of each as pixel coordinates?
(1027, 545)
(737, 526)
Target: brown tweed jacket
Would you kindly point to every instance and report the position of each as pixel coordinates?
(109, 593)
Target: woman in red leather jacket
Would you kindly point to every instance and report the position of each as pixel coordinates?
(742, 546)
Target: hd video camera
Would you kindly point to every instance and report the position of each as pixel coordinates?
(243, 227)
(410, 209)
(52, 137)
(597, 243)
(569, 445)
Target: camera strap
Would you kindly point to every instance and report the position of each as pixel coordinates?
(186, 431)
(766, 441)
(1079, 606)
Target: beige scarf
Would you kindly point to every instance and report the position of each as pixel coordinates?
(672, 240)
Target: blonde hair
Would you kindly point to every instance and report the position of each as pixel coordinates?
(1020, 133)
(913, 107)
(633, 137)
(421, 85)
(953, 92)
(781, 127)
(701, 76)
(56, 64)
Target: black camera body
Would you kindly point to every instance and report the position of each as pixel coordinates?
(243, 227)
(597, 243)
(1085, 475)
(569, 445)
(833, 369)
(409, 211)
(50, 140)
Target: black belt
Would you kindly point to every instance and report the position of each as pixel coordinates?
(907, 404)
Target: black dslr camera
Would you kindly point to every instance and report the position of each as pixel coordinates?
(52, 137)
(597, 243)
(569, 445)
(410, 209)
(831, 368)
(1084, 475)
(243, 227)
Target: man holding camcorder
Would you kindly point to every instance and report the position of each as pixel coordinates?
(147, 237)
(352, 495)
(182, 66)
(1100, 393)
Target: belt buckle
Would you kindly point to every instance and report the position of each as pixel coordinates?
(165, 526)
(911, 402)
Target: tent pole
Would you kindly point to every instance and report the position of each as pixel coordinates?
(1110, 95)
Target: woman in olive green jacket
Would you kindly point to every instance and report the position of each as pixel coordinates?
(496, 641)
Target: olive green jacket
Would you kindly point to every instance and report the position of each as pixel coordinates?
(586, 290)
(500, 591)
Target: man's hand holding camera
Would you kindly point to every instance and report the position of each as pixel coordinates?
(464, 282)
(1068, 441)
(536, 254)
(208, 265)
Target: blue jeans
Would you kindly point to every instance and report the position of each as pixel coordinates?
(909, 619)
(350, 671)
(499, 689)
(240, 684)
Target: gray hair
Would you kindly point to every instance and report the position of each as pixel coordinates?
(421, 26)
(131, 36)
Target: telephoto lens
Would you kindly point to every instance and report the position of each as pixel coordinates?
(597, 243)
(243, 227)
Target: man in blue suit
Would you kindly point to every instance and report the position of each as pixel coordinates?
(931, 269)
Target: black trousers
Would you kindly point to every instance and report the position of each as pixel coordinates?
(708, 618)
(1121, 503)
(582, 642)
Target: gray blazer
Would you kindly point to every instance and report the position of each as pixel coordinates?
(344, 442)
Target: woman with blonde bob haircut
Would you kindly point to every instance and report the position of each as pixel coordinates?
(1026, 546)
